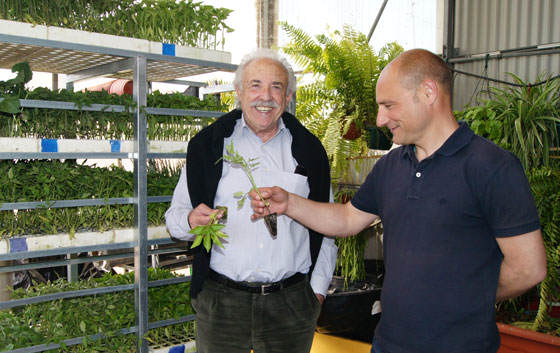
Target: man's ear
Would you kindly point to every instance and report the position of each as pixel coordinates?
(289, 97)
(429, 91)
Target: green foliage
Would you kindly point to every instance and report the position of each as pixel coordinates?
(545, 184)
(44, 180)
(58, 123)
(350, 260)
(14, 88)
(179, 22)
(522, 120)
(345, 69)
(211, 232)
(57, 320)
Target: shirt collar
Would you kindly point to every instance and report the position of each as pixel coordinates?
(459, 139)
(244, 127)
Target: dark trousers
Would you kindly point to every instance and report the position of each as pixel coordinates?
(235, 321)
(375, 347)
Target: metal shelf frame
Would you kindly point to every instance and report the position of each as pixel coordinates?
(140, 67)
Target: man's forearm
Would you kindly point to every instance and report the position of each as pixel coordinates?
(327, 218)
(512, 284)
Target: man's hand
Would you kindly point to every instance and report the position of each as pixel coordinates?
(276, 197)
(320, 298)
(200, 216)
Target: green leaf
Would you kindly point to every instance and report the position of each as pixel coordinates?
(238, 194)
(207, 243)
(216, 227)
(198, 230)
(197, 241)
(217, 241)
(240, 203)
(83, 326)
(10, 105)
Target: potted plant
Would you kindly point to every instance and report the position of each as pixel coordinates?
(524, 120)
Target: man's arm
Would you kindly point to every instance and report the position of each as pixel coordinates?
(180, 217)
(523, 266)
(340, 220)
(324, 268)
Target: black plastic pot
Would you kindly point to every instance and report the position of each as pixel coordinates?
(347, 312)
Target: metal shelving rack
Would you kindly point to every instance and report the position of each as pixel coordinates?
(80, 61)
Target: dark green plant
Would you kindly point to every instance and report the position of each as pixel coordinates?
(58, 123)
(522, 119)
(11, 90)
(54, 321)
(350, 263)
(545, 184)
(44, 180)
(179, 22)
(342, 95)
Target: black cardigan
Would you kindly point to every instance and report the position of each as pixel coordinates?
(203, 175)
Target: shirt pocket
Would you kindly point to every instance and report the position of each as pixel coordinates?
(294, 183)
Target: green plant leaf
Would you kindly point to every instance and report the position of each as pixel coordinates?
(10, 105)
(197, 241)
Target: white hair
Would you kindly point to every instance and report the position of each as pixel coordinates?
(264, 53)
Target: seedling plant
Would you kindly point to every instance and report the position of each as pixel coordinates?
(211, 232)
(235, 159)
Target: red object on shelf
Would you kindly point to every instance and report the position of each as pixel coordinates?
(118, 87)
(353, 132)
(518, 340)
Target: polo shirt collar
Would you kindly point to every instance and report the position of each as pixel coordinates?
(459, 139)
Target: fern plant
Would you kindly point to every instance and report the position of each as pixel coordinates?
(545, 184)
(345, 69)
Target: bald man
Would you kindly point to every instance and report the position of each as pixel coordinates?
(461, 230)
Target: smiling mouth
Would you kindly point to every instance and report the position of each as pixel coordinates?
(263, 109)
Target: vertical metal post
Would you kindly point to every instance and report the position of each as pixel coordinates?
(449, 36)
(71, 270)
(55, 82)
(449, 30)
(141, 204)
(5, 283)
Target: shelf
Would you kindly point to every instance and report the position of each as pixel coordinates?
(49, 244)
(73, 52)
(34, 145)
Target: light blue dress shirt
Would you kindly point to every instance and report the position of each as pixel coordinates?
(250, 253)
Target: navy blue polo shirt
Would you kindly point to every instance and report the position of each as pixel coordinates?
(440, 220)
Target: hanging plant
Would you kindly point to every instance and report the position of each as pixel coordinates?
(340, 102)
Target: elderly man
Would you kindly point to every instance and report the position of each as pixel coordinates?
(461, 228)
(257, 292)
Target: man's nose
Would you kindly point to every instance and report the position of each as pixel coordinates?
(381, 119)
(266, 93)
